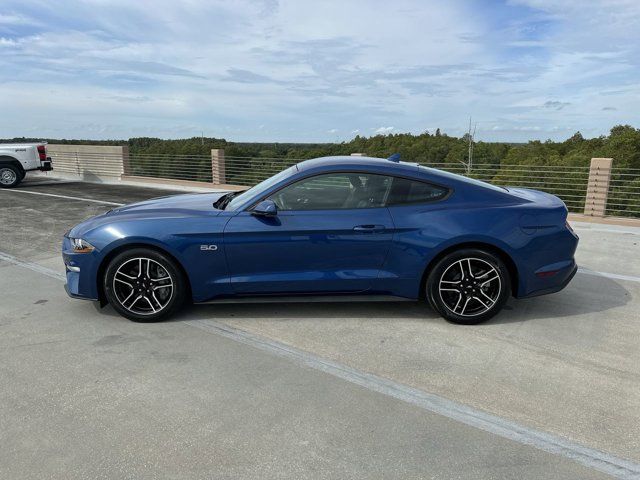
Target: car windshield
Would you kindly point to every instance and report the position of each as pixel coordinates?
(259, 188)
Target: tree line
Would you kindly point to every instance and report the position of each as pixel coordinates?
(557, 167)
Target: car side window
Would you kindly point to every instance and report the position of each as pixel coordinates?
(405, 191)
(335, 191)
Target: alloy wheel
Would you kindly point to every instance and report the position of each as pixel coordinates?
(143, 286)
(470, 287)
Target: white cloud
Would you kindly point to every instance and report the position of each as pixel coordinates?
(383, 130)
(7, 42)
(11, 19)
(226, 67)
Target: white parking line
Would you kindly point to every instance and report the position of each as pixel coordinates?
(592, 458)
(615, 276)
(83, 199)
(596, 459)
(608, 230)
(32, 266)
(38, 183)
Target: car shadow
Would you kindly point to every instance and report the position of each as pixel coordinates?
(286, 311)
(316, 310)
(45, 182)
(585, 295)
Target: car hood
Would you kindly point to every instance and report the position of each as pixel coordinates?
(175, 206)
(194, 203)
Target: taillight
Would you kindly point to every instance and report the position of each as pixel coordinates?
(550, 273)
(42, 152)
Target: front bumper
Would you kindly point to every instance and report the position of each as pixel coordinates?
(71, 292)
(81, 272)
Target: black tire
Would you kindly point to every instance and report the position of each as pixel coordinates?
(464, 298)
(10, 176)
(153, 299)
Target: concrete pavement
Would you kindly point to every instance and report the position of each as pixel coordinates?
(99, 396)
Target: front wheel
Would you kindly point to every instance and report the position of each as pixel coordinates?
(144, 285)
(10, 176)
(468, 286)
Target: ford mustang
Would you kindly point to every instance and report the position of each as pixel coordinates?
(333, 228)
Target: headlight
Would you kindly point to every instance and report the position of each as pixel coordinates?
(81, 246)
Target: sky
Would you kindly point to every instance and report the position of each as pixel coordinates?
(317, 71)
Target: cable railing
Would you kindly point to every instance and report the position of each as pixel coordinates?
(623, 199)
(195, 168)
(568, 182)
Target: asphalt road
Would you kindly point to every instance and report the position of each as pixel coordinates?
(310, 390)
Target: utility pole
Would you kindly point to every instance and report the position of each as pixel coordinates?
(470, 137)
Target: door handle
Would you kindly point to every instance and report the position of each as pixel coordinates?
(369, 228)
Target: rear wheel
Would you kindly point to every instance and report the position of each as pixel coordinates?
(468, 286)
(144, 285)
(10, 176)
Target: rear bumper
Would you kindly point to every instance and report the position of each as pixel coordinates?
(560, 281)
(548, 263)
(46, 165)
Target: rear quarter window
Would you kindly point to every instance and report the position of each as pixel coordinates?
(405, 192)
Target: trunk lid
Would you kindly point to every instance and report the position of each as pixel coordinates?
(541, 199)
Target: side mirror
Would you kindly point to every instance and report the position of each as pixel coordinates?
(266, 208)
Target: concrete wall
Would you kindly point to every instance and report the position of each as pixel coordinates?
(88, 162)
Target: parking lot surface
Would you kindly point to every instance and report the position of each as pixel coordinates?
(307, 390)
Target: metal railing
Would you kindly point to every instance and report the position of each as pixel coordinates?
(570, 183)
(624, 193)
(195, 168)
(252, 170)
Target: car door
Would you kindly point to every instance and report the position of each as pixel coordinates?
(331, 234)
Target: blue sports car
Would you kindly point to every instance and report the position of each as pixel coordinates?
(337, 228)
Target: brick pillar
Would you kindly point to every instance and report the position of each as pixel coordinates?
(595, 204)
(218, 176)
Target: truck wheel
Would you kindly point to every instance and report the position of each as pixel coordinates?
(10, 176)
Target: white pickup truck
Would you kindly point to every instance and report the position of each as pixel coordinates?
(16, 159)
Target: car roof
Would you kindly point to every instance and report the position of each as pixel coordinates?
(383, 165)
(355, 160)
